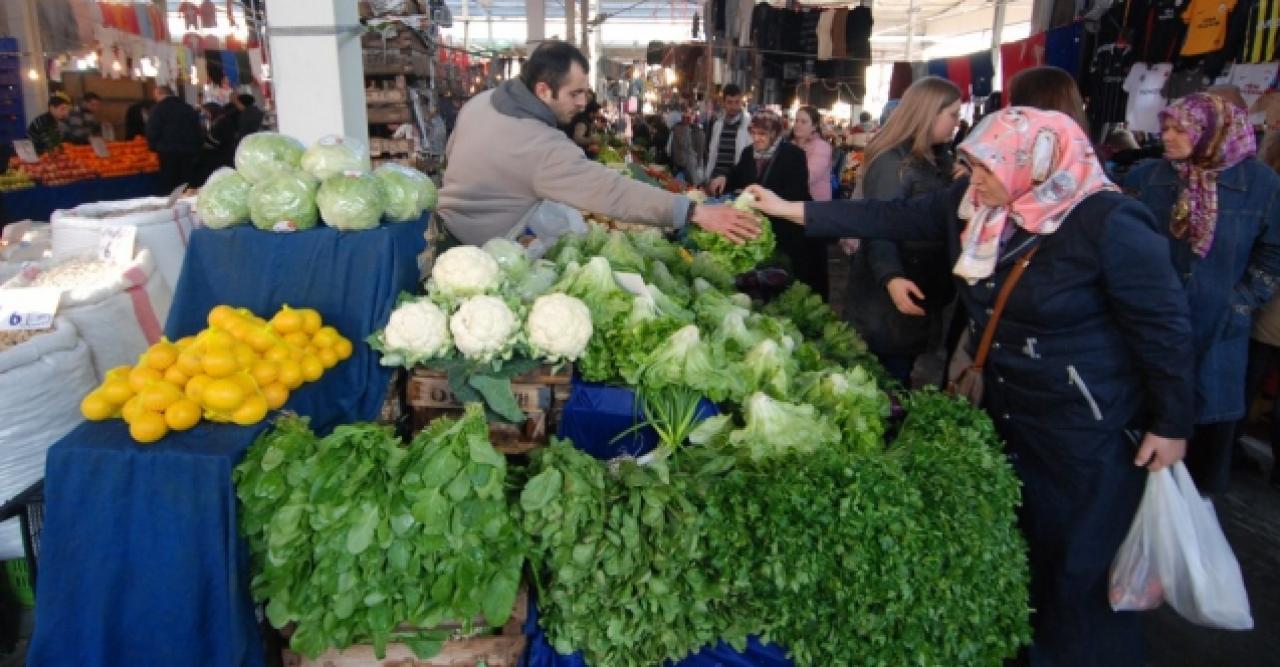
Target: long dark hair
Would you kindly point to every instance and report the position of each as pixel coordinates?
(1051, 89)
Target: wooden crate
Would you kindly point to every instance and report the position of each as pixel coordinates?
(389, 114)
(500, 650)
(536, 393)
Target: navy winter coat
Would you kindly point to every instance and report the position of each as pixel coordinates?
(1225, 287)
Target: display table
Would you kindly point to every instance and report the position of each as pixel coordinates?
(141, 558)
(40, 202)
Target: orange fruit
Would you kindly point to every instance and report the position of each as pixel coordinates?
(298, 340)
(220, 315)
(222, 395)
(95, 407)
(328, 357)
(310, 320)
(277, 353)
(326, 337)
(312, 368)
(251, 412)
(175, 376)
(287, 321)
(219, 362)
(260, 340)
(245, 356)
(132, 408)
(290, 374)
(189, 362)
(116, 390)
(148, 427)
(142, 376)
(276, 395)
(195, 386)
(182, 415)
(162, 355)
(159, 395)
(265, 372)
(343, 348)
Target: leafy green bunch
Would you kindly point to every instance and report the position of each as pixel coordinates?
(355, 535)
(738, 258)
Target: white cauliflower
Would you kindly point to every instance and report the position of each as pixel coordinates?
(559, 327)
(417, 331)
(484, 328)
(464, 271)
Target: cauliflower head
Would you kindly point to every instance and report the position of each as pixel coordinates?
(484, 328)
(464, 271)
(417, 331)
(559, 327)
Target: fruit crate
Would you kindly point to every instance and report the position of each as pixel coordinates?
(540, 393)
(503, 649)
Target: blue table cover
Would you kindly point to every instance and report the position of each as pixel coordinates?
(141, 559)
(40, 202)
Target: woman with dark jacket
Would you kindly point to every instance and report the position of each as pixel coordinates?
(898, 290)
(1219, 210)
(783, 168)
(1092, 352)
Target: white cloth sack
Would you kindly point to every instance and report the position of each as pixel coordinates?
(1175, 552)
(41, 384)
(164, 231)
(118, 319)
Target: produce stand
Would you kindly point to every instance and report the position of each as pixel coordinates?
(39, 202)
(143, 560)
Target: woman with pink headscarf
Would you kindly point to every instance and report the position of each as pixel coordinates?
(1219, 209)
(1088, 378)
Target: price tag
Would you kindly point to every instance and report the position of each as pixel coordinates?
(115, 244)
(108, 132)
(28, 307)
(26, 151)
(99, 147)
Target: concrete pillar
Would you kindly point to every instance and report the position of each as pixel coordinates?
(22, 22)
(570, 10)
(316, 68)
(536, 23)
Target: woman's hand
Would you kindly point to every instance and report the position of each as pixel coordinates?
(776, 207)
(737, 226)
(716, 186)
(959, 171)
(901, 291)
(1158, 453)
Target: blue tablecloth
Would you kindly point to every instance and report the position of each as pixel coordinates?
(141, 558)
(40, 202)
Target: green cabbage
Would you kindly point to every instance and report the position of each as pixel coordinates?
(350, 202)
(404, 190)
(738, 258)
(265, 153)
(285, 201)
(332, 156)
(224, 199)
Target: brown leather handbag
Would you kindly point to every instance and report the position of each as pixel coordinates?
(965, 372)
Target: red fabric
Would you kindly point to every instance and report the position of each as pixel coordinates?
(211, 43)
(208, 14)
(1020, 55)
(234, 44)
(900, 80)
(110, 17)
(960, 74)
(190, 15)
(128, 19)
(159, 23)
(192, 41)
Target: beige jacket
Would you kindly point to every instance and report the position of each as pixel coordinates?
(500, 166)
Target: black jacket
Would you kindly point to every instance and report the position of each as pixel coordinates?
(249, 121)
(787, 174)
(896, 174)
(135, 120)
(174, 127)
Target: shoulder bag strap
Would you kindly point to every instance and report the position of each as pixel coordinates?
(989, 332)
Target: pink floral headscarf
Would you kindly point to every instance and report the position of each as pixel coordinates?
(1221, 138)
(1045, 162)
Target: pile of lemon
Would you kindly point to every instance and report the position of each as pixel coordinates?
(235, 371)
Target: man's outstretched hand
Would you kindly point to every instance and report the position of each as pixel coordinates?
(735, 225)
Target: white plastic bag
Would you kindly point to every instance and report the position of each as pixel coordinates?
(1175, 552)
(162, 229)
(549, 221)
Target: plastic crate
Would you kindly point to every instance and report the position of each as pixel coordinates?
(28, 507)
(20, 582)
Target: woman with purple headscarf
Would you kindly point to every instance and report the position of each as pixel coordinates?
(1220, 209)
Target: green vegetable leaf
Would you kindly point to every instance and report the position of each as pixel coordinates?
(498, 397)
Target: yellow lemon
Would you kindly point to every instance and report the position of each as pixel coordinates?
(142, 376)
(251, 411)
(119, 373)
(260, 340)
(132, 408)
(277, 353)
(343, 348)
(298, 340)
(222, 395)
(287, 321)
(95, 407)
(326, 337)
(217, 339)
(310, 320)
(245, 356)
(220, 315)
(265, 372)
(195, 386)
(184, 342)
(189, 362)
(158, 396)
(219, 363)
(312, 368)
(116, 390)
(290, 374)
(182, 415)
(176, 377)
(328, 357)
(246, 383)
(162, 355)
(276, 394)
(148, 427)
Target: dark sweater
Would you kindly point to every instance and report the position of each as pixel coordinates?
(174, 127)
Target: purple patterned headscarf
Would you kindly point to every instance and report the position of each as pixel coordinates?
(1221, 138)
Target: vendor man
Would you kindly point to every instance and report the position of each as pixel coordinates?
(507, 157)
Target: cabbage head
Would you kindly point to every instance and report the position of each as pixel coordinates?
(224, 199)
(285, 201)
(350, 202)
(265, 153)
(332, 156)
(403, 189)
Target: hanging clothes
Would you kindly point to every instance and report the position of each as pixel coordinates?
(983, 72)
(1145, 85)
(823, 33)
(1262, 32)
(1158, 29)
(960, 74)
(745, 10)
(1063, 48)
(899, 80)
(839, 47)
(1020, 55)
(1206, 25)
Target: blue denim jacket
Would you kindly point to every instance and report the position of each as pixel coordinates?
(1234, 279)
